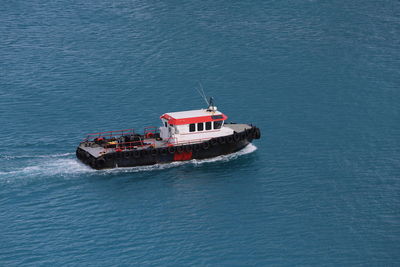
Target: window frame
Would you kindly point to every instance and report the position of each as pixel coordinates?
(220, 124)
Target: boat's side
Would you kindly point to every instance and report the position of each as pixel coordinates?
(211, 148)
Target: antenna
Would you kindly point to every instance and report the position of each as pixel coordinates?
(202, 94)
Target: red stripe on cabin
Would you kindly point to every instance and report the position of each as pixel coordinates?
(174, 121)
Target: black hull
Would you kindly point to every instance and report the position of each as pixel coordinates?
(212, 148)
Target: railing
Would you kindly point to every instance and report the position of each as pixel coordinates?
(109, 134)
(151, 130)
(147, 142)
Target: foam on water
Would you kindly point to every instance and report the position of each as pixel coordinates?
(10, 157)
(65, 165)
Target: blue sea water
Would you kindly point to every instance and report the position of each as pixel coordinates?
(320, 78)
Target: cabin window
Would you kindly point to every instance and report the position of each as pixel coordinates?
(216, 117)
(165, 123)
(200, 126)
(192, 127)
(218, 124)
(208, 125)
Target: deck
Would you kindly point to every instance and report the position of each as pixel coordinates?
(97, 150)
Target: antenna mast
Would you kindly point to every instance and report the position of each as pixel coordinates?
(202, 94)
(210, 103)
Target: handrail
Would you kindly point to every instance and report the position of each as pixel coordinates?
(151, 129)
(109, 134)
(142, 143)
(111, 131)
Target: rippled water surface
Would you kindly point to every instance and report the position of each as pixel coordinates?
(320, 78)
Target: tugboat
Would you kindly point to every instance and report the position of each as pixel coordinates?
(185, 135)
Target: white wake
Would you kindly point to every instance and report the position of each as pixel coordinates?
(66, 165)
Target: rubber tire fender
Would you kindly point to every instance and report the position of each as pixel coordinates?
(179, 149)
(236, 137)
(101, 162)
(206, 145)
(171, 149)
(229, 139)
(257, 134)
(163, 151)
(196, 147)
(253, 132)
(248, 133)
(144, 152)
(154, 152)
(188, 148)
(213, 142)
(243, 135)
(222, 140)
(136, 154)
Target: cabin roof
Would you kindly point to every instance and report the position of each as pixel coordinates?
(193, 116)
(192, 113)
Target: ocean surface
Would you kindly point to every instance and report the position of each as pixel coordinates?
(321, 79)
